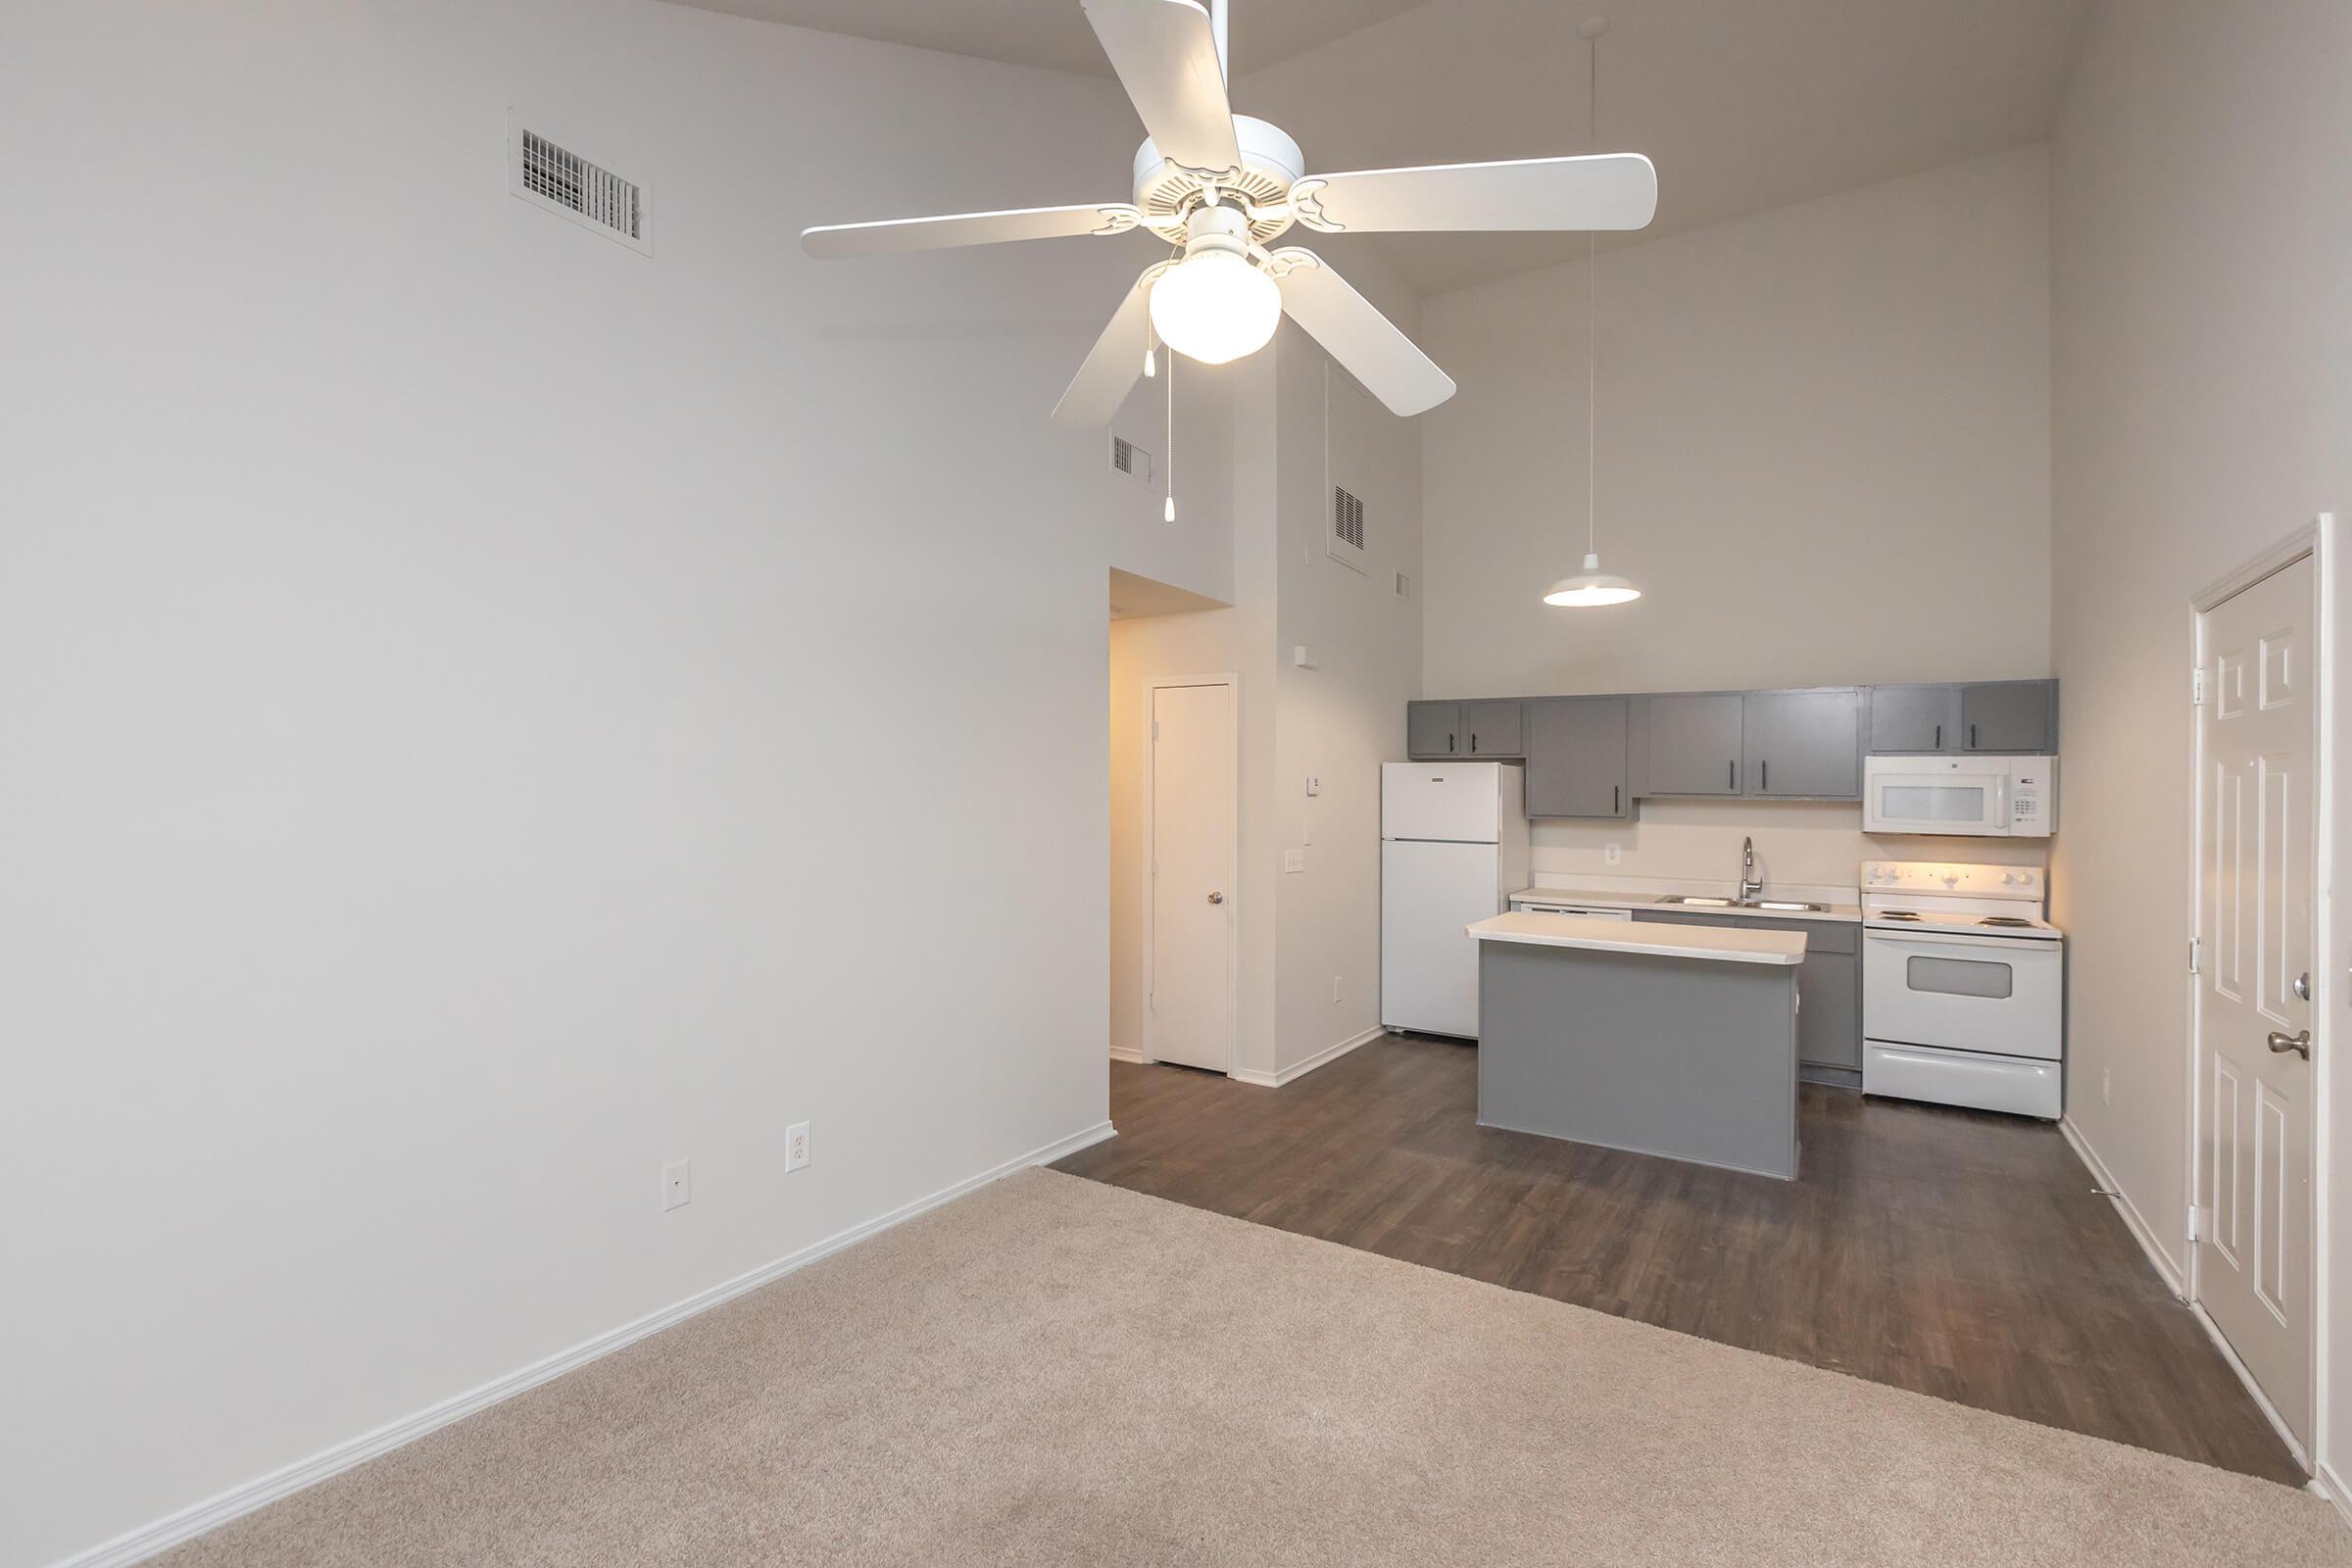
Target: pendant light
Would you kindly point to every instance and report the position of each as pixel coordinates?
(1592, 586)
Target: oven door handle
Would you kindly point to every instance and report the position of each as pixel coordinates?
(1908, 943)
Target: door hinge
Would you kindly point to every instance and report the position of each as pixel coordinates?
(2196, 687)
(2198, 1222)
(2196, 956)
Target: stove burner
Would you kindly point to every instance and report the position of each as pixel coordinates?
(2003, 919)
(1898, 914)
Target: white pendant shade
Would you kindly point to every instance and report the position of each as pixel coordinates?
(1592, 586)
(1216, 306)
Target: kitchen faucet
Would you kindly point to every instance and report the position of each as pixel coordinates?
(1749, 886)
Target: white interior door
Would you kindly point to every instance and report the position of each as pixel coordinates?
(1188, 1015)
(2257, 814)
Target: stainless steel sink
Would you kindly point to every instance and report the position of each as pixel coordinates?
(1700, 901)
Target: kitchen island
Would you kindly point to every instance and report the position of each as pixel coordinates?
(1662, 1039)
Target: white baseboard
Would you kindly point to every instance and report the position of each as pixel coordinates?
(2138, 1223)
(1126, 1053)
(2328, 1484)
(194, 1520)
(1299, 1070)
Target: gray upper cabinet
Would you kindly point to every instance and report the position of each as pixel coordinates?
(1914, 718)
(1690, 742)
(1492, 729)
(1804, 744)
(1576, 757)
(2016, 717)
(1434, 729)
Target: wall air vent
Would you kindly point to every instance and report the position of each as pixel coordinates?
(547, 173)
(1346, 541)
(1130, 460)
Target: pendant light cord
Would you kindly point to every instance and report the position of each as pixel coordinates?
(1592, 320)
(1168, 513)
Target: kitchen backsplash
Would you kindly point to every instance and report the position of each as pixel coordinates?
(1796, 841)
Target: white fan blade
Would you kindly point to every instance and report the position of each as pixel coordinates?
(1116, 360)
(1365, 342)
(1165, 53)
(828, 241)
(1605, 190)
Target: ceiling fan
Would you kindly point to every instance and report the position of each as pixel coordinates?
(1223, 185)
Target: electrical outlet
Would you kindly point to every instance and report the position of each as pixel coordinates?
(1613, 853)
(677, 1185)
(1335, 988)
(1294, 861)
(1314, 785)
(795, 1146)
(2106, 1086)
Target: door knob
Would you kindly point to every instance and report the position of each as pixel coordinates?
(2299, 1043)
(1216, 898)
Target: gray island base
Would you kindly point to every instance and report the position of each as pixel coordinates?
(1659, 1039)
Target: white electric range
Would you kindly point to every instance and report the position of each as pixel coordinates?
(1962, 987)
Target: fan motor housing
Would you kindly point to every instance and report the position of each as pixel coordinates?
(1166, 192)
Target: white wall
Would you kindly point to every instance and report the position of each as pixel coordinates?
(480, 702)
(2203, 409)
(1345, 716)
(1294, 932)
(1823, 438)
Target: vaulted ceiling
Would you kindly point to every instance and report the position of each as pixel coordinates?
(1744, 105)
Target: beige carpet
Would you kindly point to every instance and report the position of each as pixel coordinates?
(1053, 1371)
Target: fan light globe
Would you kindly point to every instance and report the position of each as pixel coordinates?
(1216, 307)
(1592, 586)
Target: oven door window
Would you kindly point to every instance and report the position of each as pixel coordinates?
(1960, 977)
(1934, 803)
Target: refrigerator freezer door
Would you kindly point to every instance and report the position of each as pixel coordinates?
(1428, 962)
(1458, 802)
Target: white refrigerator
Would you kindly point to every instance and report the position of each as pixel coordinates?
(1452, 851)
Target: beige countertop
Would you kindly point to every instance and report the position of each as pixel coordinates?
(1658, 938)
(1844, 909)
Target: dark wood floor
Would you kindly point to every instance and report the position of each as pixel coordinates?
(1951, 1252)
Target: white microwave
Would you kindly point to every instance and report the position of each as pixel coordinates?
(1980, 796)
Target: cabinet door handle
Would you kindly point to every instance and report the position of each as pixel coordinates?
(1731, 775)
(1449, 740)
(1972, 737)
(1939, 737)
(1474, 743)
(1616, 798)
(1764, 775)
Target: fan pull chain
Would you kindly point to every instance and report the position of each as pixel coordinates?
(1169, 513)
(1151, 360)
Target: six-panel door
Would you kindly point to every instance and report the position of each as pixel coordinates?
(1576, 757)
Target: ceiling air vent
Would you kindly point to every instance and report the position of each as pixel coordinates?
(1130, 460)
(547, 173)
(1346, 543)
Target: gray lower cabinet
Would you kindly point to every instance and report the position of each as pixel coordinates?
(1689, 743)
(2013, 718)
(1804, 744)
(1576, 757)
(1914, 718)
(1829, 983)
(1493, 730)
(1434, 729)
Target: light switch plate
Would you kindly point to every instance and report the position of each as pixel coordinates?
(1294, 861)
